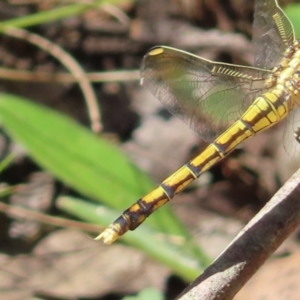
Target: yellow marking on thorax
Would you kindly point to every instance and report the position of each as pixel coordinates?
(294, 63)
(289, 66)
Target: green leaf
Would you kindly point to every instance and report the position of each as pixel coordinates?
(6, 162)
(162, 248)
(293, 12)
(82, 160)
(54, 14)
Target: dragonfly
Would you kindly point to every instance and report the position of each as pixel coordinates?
(225, 103)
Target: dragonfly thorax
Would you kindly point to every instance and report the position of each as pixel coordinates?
(285, 78)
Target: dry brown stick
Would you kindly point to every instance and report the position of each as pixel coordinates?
(24, 213)
(251, 248)
(71, 64)
(59, 77)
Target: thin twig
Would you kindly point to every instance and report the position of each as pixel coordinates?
(71, 64)
(21, 212)
(59, 77)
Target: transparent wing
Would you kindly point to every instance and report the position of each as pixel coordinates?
(208, 96)
(272, 33)
(291, 146)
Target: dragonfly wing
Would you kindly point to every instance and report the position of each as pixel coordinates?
(291, 146)
(272, 33)
(208, 96)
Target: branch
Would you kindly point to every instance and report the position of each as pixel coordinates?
(251, 248)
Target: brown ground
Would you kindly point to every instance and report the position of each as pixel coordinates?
(115, 39)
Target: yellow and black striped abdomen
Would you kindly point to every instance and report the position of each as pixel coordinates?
(197, 89)
(264, 112)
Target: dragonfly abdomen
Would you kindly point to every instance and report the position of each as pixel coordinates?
(267, 110)
(210, 95)
(264, 112)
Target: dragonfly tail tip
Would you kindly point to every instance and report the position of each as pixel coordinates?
(107, 236)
